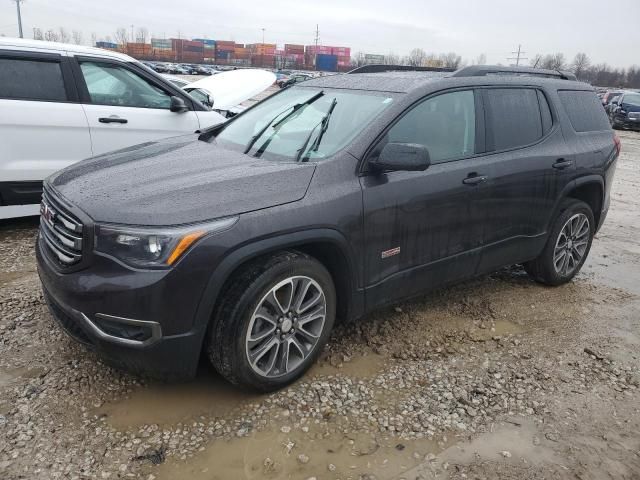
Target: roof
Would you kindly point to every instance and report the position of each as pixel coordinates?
(61, 47)
(395, 82)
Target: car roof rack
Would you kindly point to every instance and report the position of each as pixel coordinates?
(378, 67)
(485, 70)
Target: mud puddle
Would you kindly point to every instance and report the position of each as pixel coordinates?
(167, 404)
(275, 455)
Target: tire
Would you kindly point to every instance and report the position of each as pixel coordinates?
(543, 269)
(237, 325)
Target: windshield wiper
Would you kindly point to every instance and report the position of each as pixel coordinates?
(296, 108)
(316, 143)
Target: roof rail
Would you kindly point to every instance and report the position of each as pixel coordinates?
(377, 68)
(484, 70)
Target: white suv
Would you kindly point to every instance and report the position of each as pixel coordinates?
(62, 103)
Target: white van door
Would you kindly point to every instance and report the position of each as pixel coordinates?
(43, 128)
(125, 108)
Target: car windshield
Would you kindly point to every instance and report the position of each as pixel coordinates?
(302, 124)
(632, 98)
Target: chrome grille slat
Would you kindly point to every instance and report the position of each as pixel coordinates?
(62, 234)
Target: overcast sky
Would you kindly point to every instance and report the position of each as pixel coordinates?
(606, 32)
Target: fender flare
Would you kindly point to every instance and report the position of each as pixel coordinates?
(244, 253)
(576, 183)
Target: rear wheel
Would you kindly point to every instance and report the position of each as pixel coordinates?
(567, 246)
(275, 317)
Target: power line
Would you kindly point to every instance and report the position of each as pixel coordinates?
(519, 56)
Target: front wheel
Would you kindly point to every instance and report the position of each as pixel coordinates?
(567, 246)
(275, 317)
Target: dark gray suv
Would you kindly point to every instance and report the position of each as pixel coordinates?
(327, 200)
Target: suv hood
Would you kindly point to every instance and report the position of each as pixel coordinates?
(229, 89)
(178, 180)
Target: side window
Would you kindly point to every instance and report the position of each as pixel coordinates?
(584, 110)
(545, 112)
(514, 118)
(31, 80)
(110, 84)
(445, 124)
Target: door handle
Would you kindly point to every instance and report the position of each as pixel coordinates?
(474, 179)
(112, 120)
(561, 164)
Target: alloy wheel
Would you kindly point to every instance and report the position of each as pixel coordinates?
(571, 244)
(285, 326)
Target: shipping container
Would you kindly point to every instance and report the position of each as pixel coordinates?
(109, 45)
(326, 63)
(370, 58)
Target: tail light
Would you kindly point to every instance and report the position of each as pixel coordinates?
(616, 141)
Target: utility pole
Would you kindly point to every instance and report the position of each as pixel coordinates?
(19, 17)
(519, 56)
(132, 38)
(263, 36)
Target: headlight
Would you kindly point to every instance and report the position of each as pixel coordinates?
(154, 247)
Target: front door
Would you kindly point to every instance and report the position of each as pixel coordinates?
(124, 108)
(418, 226)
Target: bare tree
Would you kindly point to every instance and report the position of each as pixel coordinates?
(450, 60)
(77, 37)
(37, 34)
(142, 34)
(358, 59)
(536, 61)
(121, 36)
(580, 65)
(63, 35)
(392, 58)
(416, 57)
(481, 60)
(51, 36)
(94, 39)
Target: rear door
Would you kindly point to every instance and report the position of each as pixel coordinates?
(42, 126)
(125, 106)
(528, 164)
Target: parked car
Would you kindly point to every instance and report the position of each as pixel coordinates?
(328, 200)
(292, 80)
(62, 103)
(608, 97)
(624, 111)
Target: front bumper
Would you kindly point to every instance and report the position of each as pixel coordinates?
(87, 304)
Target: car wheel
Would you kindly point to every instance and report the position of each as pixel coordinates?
(276, 315)
(567, 246)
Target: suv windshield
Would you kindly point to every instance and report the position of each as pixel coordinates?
(303, 123)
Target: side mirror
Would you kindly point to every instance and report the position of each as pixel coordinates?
(409, 157)
(178, 105)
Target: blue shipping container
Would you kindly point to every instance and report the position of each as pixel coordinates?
(106, 45)
(205, 41)
(327, 63)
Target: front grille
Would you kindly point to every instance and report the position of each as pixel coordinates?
(68, 323)
(61, 232)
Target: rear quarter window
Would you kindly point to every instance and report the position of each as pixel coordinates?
(584, 110)
(31, 80)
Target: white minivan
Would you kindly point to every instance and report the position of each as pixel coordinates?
(62, 103)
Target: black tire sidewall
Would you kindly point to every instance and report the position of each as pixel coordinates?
(570, 208)
(237, 324)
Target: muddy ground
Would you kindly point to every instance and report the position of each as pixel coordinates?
(495, 378)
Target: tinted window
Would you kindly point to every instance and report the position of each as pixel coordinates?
(514, 117)
(631, 98)
(31, 80)
(445, 124)
(584, 110)
(115, 85)
(545, 112)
